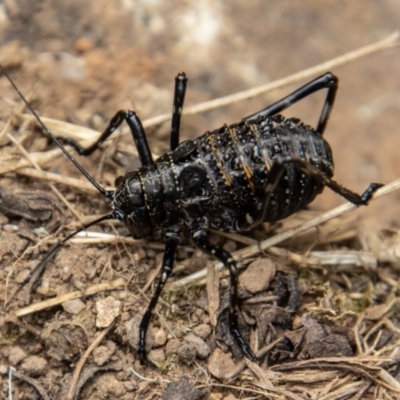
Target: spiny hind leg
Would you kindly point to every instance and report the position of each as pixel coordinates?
(325, 81)
(313, 171)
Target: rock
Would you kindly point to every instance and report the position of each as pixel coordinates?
(220, 364)
(68, 66)
(156, 356)
(187, 353)
(73, 306)
(22, 276)
(202, 348)
(109, 387)
(258, 275)
(101, 355)
(34, 366)
(172, 346)
(184, 390)
(64, 342)
(84, 44)
(159, 337)
(16, 355)
(130, 386)
(107, 311)
(203, 331)
(44, 287)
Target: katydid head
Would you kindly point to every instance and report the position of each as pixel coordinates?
(129, 201)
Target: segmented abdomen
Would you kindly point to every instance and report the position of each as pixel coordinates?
(238, 158)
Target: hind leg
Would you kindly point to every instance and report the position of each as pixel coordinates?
(326, 81)
(349, 195)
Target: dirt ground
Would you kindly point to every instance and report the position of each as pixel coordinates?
(321, 308)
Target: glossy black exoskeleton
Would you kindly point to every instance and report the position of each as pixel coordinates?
(263, 168)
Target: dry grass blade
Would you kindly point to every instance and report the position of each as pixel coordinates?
(389, 380)
(41, 158)
(344, 391)
(52, 187)
(81, 362)
(89, 237)
(265, 383)
(213, 293)
(75, 183)
(346, 257)
(307, 259)
(384, 44)
(328, 378)
(334, 257)
(101, 287)
(355, 366)
(86, 135)
(260, 353)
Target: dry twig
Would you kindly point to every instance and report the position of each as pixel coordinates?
(82, 360)
(101, 287)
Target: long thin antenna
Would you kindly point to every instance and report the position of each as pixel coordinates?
(104, 192)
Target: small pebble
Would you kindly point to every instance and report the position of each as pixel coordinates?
(101, 355)
(130, 386)
(258, 275)
(139, 254)
(172, 346)
(84, 44)
(156, 356)
(73, 306)
(10, 228)
(122, 295)
(21, 276)
(3, 219)
(220, 364)
(44, 287)
(230, 246)
(16, 355)
(203, 331)
(202, 348)
(160, 337)
(34, 366)
(187, 353)
(151, 253)
(107, 310)
(71, 67)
